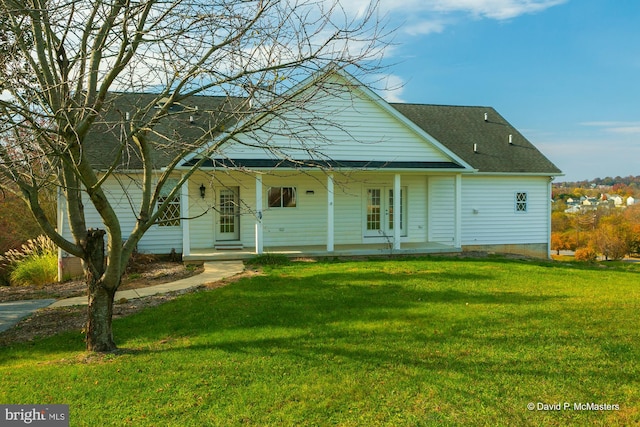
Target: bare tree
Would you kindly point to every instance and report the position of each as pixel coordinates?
(69, 61)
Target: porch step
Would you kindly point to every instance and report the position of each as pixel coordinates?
(228, 246)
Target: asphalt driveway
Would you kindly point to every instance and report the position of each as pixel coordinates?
(14, 311)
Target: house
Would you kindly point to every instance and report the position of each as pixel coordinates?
(617, 200)
(388, 178)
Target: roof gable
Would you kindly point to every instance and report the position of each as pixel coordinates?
(341, 124)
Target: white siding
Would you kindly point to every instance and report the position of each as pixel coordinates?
(348, 126)
(201, 226)
(124, 194)
(304, 224)
(442, 209)
(417, 211)
(348, 211)
(488, 215)
(488, 210)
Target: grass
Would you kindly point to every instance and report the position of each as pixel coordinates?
(398, 343)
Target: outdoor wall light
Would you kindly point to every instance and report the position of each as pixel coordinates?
(203, 190)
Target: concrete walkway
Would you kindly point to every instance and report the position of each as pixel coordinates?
(12, 312)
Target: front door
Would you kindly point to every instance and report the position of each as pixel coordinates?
(228, 224)
(379, 212)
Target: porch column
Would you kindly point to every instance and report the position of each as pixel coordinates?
(259, 240)
(396, 211)
(184, 207)
(457, 237)
(330, 217)
(61, 219)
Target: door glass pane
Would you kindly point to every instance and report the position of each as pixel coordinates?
(227, 211)
(373, 209)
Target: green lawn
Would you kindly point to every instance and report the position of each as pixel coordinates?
(400, 343)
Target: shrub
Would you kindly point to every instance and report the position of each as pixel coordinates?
(586, 254)
(269, 260)
(36, 271)
(612, 240)
(35, 263)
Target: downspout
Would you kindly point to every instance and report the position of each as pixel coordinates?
(549, 196)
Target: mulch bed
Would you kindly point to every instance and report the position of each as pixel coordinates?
(50, 321)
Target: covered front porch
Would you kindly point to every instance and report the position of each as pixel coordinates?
(313, 213)
(370, 249)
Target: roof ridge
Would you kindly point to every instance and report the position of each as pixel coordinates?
(440, 105)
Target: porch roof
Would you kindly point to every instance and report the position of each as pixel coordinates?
(320, 164)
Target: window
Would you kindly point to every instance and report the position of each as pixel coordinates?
(171, 215)
(521, 202)
(282, 197)
(373, 209)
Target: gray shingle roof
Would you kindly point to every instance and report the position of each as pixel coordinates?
(169, 135)
(458, 128)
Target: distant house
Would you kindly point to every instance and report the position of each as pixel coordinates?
(630, 201)
(617, 200)
(391, 177)
(590, 201)
(573, 209)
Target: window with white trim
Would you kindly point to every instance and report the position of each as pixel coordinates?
(521, 202)
(171, 215)
(282, 197)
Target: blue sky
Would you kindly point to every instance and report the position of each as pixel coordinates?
(566, 73)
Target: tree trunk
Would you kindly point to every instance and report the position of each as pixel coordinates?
(101, 295)
(99, 332)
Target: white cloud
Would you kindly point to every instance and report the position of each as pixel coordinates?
(393, 89)
(420, 17)
(618, 127)
(628, 130)
(424, 27)
(389, 86)
(494, 9)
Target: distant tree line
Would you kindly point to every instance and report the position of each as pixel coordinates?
(606, 231)
(607, 181)
(627, 186)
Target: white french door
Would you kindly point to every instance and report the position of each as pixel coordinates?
(228, 214)
(379, 212)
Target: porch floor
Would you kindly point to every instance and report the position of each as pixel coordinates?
(371, 249)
